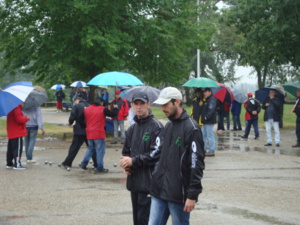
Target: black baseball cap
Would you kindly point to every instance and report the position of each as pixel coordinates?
(139, 95)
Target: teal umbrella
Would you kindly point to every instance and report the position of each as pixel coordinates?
(291, 88)
(201, 82)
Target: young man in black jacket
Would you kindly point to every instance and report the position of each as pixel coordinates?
(296, 110)
(176, 181)
(272, 106)
(138, 158)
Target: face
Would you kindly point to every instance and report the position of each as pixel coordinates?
(170, 109)
(298, 93)
(140, 108)
(76, 101)
(207, 94)
(198, 94)
(272, 93)
(118, 95)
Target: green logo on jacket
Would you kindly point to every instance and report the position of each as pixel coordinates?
(178, 141)
(146, 136)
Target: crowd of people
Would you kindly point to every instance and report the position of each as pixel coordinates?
(164, 162)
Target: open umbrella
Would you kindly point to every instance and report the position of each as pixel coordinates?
(291, 88)
(58, 86)
(36, 98)
(222, 93)
(239, 96)
(200, 82)
(263, 93)
(78, 84)
(152, 92)
(13, 95)
(115, 78)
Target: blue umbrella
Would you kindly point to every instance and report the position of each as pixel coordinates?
(13, 95)
(263, 93)
(58, 86)
(78, 84)
(115, 78)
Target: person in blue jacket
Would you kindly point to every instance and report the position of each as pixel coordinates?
(236, 111)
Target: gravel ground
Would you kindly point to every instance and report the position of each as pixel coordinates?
(246, 183)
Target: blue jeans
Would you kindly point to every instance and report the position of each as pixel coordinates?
(161, 210)
(236, 122)
(248, 127)
(208, 137)
(30, 142)
(118, 123)
(97, 145)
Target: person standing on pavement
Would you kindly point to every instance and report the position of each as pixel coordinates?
(119, 120)
(79, 134)
(197, 106)
(95, 117)
(176, 180)
(139, 157)
(16, 130)
(253, 108)
(32, 126)
(236, 108)
(209, 119)
(296, 110)
(272, 106)
(60, 96)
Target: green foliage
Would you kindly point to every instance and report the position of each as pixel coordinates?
(62, 41)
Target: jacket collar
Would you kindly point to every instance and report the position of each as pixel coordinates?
(143, 120)
(183, 116)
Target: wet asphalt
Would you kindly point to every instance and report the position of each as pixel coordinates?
(245, 183)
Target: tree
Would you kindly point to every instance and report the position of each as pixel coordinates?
(78, 39)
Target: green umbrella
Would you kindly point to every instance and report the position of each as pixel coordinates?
(201, 82)
(291, 88)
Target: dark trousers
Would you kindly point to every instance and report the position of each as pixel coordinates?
(248, 127)
(14, 152)
(236, 122)
(220, 121)
(77, 142)
(141, 208)
(227, 117)
(298, 129)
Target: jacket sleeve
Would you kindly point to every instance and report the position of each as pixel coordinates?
(264, 103)
(276, 103)
(19, 116)
(197, 155)
(111, 113)
(258, 107)
(149, 158)
(73, 115)
(126, 147)
(211, 108)
(125, 108)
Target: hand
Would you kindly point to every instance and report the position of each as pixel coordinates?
(28, 118)
(43, 132)
(125, 162)
(201, 103)
(68, 124)
(267, 104)
(127, 171)
(115, 106)
(254, 113)
(293, 110)
(189, 205)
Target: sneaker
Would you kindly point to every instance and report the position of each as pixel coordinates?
(102, 171)
(277, 145)
(82, 167)
(9, 167)
(31, 161)
(114, 142)
(268, 144)
(209, 154)
(19, 167)
(296, 145)
(244, 137)
(256, 138)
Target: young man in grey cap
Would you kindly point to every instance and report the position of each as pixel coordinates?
(176, 181)
(140, 155)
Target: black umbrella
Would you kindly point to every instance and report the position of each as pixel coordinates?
(36, 98)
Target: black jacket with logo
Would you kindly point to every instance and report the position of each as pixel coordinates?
(178, 173)
(276, 103)
(78, 116)
(209, 110)
(140, 146)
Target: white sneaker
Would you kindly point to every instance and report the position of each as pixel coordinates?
(9, 167)
(31, 161)
(19, 168)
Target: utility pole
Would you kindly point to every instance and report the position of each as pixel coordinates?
(198, 50)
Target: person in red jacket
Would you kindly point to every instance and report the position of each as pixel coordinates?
(119, 121)
(95, 117)
(16, 130)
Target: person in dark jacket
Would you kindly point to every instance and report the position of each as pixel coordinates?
(253, 108)
(60, 96)
(236, 111)
(272, 106)
(119, 119)
(197, 106)
(79, 134)
(176, 179)
(139, 158)
(220, 113)
(296, 110)
(209, 119)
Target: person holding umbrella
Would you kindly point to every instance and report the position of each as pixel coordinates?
(197, 106)
(296, 110)
(60, 96)
(16, 130)
(236, 108)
